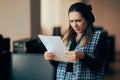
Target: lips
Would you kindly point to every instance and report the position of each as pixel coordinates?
(78, 29)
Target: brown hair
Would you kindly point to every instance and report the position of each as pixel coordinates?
(85, 10)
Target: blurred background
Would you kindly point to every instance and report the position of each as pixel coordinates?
(21, 19)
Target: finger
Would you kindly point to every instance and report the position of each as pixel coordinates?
(67, 52)
(71, 59)
(50, 55)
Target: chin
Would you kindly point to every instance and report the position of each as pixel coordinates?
(79, 32)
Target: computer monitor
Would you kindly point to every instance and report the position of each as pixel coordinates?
(30, 67)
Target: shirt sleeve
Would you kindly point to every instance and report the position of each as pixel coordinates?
(100, 51)
(54, 63)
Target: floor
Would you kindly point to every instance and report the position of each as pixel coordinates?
(114, 69)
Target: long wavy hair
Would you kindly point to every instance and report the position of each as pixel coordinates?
(86, 11)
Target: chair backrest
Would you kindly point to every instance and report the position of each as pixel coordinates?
(30, 67)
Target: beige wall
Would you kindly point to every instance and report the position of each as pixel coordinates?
(50, 15)
(54, 13)
(107, 13)
(15, 19)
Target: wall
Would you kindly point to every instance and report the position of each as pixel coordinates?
(107, 14)
(15, 19)
(54, 14)
(19, 19)
(35, 18)
(50, 15)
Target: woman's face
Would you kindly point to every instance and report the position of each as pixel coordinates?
(77, 22)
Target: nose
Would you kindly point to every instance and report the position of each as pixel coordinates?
(75, 24)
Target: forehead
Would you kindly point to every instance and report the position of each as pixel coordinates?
(75, 15)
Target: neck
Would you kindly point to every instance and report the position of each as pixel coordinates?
(78, 36)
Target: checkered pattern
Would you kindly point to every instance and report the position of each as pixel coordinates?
(80, 71)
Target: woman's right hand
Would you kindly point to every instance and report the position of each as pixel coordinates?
(49, 55)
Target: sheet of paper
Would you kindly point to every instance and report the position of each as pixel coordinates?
(55, 44)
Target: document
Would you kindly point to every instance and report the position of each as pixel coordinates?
(56, 45)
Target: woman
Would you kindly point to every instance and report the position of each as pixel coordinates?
(86, 46)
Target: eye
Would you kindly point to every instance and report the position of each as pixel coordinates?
(79, 20)
(71, 21)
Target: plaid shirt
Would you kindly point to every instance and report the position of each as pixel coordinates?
(80, 70)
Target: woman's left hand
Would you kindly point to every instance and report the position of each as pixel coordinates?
(74, 55)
